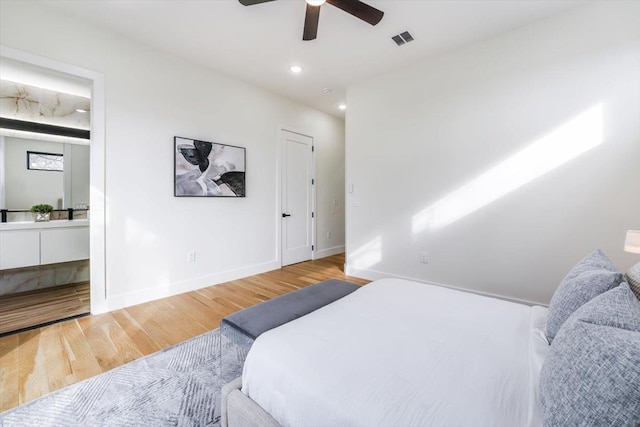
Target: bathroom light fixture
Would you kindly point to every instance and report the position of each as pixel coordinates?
(295, 69)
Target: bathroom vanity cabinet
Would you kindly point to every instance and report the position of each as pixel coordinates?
(25, 244)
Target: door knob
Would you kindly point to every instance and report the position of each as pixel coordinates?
(284, 215)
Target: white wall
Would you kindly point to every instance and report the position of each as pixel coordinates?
(25, 187)
(330, 208)
(420, 134)
(76, 174)
(152, 97)
(80, 176)
(2, 173)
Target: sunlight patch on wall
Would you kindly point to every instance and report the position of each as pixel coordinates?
(368, 254)
(567, 142)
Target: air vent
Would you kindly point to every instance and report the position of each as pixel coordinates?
(402, 38)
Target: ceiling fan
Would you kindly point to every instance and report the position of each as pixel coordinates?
(354, 7)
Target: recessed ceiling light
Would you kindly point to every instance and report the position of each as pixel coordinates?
(295, 69)
(342, 107)
(80, 110)
(315, 2)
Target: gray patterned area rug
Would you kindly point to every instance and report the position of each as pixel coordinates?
(177, 386)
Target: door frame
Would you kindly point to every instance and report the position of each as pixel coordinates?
(97, 225)
(279, 192)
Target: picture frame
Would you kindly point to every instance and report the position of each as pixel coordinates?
(208, 169)
(41, 161)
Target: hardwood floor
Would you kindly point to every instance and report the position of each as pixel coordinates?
(39, 361)
(27, 309)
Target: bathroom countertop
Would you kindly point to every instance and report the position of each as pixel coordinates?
(26, 225)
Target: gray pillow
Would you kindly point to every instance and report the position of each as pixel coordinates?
(592, 276)
(591, 376)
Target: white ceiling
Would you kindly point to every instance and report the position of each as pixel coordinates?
(258, 43)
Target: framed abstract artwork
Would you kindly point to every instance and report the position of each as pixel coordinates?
(208, 169)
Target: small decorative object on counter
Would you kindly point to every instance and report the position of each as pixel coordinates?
(41, 213)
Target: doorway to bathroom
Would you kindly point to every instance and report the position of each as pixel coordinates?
(45, 154)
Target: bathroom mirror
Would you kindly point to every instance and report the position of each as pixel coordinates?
(31, 174)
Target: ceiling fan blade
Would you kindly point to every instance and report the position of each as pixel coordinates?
(359, 10)
(311, 18)
(252, 2)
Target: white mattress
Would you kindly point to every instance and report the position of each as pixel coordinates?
(402, 353)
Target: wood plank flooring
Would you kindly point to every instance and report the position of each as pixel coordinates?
(27, 309)
(42, 360)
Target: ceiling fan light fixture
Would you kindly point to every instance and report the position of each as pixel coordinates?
(356, 8)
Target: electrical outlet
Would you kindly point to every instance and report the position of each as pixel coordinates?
(328, 234)
(424, 258)
(191, 256)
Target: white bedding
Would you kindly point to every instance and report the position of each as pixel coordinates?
(402, 353)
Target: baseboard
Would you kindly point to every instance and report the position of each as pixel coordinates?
(323, 253)
(150, 294)
(377, 275)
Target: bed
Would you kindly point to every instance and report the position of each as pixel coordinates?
(403, 353)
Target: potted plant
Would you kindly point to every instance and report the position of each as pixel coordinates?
(42, 212)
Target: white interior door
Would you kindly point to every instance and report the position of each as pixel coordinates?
(297, 197)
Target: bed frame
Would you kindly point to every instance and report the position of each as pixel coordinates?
(243, 327)
(238, 410)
